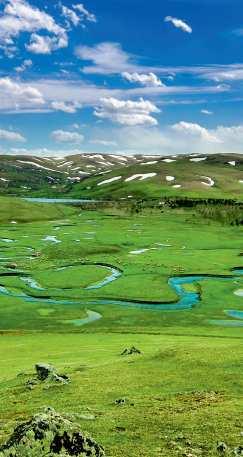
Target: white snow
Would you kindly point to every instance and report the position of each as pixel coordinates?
(140, 176)
(120, 158)
(65, 164)
(210, 182)
(232, 162)
(169, 160)
(74, 179)
(53, 239)
(239, 292)
(139, 251)
(3, 179)
(177, 186)
(107, 181)
(152, 162)
(198, 159)
(240, 181)
(170, 178)
(37, 165)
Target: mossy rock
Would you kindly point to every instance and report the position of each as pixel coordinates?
(50, 434)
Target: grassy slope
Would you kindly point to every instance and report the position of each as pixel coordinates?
(188, 380)
(188, 174)
(15, 209)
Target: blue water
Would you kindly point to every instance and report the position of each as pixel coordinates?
(186, 299)
(92, 316)
(115, 274)
(56, 200)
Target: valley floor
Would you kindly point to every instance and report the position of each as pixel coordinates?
(183, 394)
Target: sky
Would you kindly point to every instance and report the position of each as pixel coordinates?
(121, 77)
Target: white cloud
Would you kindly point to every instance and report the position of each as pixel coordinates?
(149, 79)
(104, 142)
(70, 15)
(69, 95)
(207, 112)
(64, 136)
(46, 45)
(9, 135)
(180, 138)
(85, 13)
(127, 112)
(66, 107)
(108, 58)
(27, 63)
(20, 17)
(15, 96)
(179, 24)
(195, 130)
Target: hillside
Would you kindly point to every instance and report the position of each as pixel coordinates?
(212, 176)
(115, 176)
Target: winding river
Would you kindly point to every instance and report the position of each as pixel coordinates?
(186, 299)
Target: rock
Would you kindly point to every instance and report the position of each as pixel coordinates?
(238, 450)
(31, 384)
(51, 434)
(221, 447)
(11, 266)
(120, 401)
(131, 350)
(36, 254)
(46, 372)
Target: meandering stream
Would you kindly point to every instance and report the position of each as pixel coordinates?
(186, 299)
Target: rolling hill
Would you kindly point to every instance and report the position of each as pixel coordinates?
(109, 176)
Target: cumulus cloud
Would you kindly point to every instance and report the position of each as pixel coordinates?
(40, 44)
(179, 24)
(10, 135)
(27, 63)
(66, 107)
(195, 130)
(107, 58)
(15, 96)
(85, 13)
(20, 17)
(149, 79)
(127, 112)
(70, 15)
(77, 14)
(64, 136)
(180, 138)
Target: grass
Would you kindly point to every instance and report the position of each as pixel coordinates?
(184, 392)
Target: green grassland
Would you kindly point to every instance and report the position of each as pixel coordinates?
(184, 392)
(189, 175)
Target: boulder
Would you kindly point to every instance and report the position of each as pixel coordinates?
(131, 350)
(11, 265)
(46, 372)
(222, 447)
(50, 434)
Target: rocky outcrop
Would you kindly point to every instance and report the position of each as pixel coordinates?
(53, 435)
(130, 351)
(46, 372)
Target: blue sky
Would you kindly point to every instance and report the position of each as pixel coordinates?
(121, 76)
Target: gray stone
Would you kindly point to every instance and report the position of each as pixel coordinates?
(222, 447)
(56, 435)
(130, 351)
(46, 372)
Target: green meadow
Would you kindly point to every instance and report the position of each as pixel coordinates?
(79, 286)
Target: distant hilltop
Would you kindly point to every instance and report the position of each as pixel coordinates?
(122, 176)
